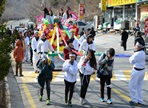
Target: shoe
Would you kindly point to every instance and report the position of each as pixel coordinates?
(36, 71)
(132, 103)
(21, 75)
(109, 101)
(140, 104)
(47, 102)
(65, 100)
(102, 99)
(40, 98)
(16, 75)
(82, 101)
(69, 103)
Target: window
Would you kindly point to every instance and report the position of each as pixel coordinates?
(81, 24)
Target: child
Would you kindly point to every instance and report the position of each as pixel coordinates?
(86, 65)
(105, 63)
(45, 67)
(70, 76)
(18, 56)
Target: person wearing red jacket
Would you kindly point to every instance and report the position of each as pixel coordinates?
(18, 56)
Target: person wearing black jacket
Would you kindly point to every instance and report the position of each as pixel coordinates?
(124, 37)
(139, 38)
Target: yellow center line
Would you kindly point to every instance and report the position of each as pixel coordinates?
(28, 94)
(121, 94)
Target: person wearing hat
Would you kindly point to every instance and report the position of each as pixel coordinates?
(68, 49)
(34, 42)
(44, 45)
(87, 44)
(124, 37)
(46, 66)
(70, 68)
(137, 75)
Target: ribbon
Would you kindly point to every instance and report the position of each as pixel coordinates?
(62, 36)
(53, 35)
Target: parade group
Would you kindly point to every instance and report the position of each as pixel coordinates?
(37, 44)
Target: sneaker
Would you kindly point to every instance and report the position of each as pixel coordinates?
(40, 98)
(47, 102)
(140, 104)
(69, 103)
(109, 101)
(102, 99)
(16, 75)
(21, 75)
(132, 103)
(82, 102)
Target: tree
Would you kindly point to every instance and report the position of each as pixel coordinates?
(2, 6)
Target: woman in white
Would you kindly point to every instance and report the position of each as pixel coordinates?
(70, 68)
(86, 66)
(87, 44)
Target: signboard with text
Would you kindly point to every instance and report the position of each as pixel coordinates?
(103, 5)
(81, 11)
(120, 2)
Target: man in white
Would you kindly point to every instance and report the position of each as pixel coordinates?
(27, 46)
(87, 44)
(44, 45)
(34, 43)
(137, 75)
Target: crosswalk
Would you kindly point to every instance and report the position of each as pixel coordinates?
(58, 76)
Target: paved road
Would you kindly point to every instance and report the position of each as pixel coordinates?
(25, 93)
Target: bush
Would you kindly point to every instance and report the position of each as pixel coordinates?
(5, 50)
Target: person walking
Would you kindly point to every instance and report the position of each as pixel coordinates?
(71, 69)
(18, 56)
(87, 64)
(124, 37)
(137, 75)
(46, 66)
(34, 43)
(87, 44)
(44, 45)
(104, 72)
(68, 49)
(138, 38)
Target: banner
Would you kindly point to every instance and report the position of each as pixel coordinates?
(120, 2)
(81, 11)
(103, 5)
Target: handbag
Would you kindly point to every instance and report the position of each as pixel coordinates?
(121, 43)
(100, 72)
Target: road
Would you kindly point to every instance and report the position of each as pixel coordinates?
(26, 89)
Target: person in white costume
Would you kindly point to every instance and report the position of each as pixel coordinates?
(44, 45)
(27, 46)
(87, 44)
(34, 43)
(137, 75)
(71, 69)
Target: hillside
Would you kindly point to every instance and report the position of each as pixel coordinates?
(19, 9)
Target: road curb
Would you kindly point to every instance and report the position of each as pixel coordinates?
(7, 92)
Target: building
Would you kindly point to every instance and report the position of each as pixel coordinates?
(126, 12)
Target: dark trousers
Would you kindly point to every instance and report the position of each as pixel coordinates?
(124, 45)
(105, 79)
(47, 88)
(69, 87)
(31, 55)
(85, 79)
(19, 67)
